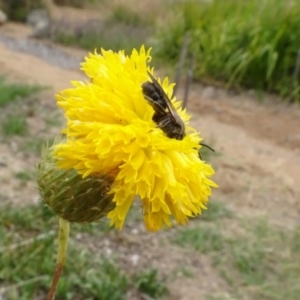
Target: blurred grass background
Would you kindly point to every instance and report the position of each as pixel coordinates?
(28, 232)
(242, 43)
(252, 44)
(249, 261)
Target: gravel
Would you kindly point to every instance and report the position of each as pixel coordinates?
(46, 52)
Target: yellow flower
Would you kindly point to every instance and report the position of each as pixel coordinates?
(110, 131)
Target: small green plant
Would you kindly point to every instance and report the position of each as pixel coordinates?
(243, 43)
(216, 298)
(10, 92)
(112, 38)
(28, 218)
(260, 258)
(295, 240)
(216, 211)
(250, 260)
(54, 120)
(123, 14)
(27, 252)
(15, 125)
(77, 3)
(205, 239)
(25, 175)
(104, 280)
(148, 283)
(184, 271)
(123, 29)
(34, 145)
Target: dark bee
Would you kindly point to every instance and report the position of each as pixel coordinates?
(165, 115)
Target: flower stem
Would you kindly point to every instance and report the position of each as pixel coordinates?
(63, 239)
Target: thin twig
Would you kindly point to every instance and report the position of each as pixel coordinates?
(183, 53)
(25, 282)
(296, 70)
(26, 242)
(189, 79)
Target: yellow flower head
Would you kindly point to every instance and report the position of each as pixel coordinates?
(110, 131)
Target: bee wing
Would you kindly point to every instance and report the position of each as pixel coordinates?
(169, 104)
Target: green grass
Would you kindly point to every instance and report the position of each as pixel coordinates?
(254, 261)
(123, 14)
(54, 120)
(28, 251)
(244, 43)
(216, 211)
(13, 91)
(18, 10)
(149, 283)
(108, 41)
(14, 125)
(202, 238)
(206, 238)
(183, 271)
(123, 29)
(34, 145)
(25, 175)
(215, 298)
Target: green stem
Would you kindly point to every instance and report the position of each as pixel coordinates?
(63, 239)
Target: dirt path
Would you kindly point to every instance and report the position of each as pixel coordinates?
(34, 70)
(259, 144)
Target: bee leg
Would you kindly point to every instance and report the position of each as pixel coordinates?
(156, 106)
(210, 148)
(199, 154)
(164, 122)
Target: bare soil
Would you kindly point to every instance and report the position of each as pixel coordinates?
(257, 166)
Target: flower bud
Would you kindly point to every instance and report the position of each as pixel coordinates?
(70, 196)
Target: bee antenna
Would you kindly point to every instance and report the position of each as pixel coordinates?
(210, 148)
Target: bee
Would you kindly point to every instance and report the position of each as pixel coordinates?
(165, 114)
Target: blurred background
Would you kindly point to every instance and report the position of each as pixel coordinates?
(243, 58)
